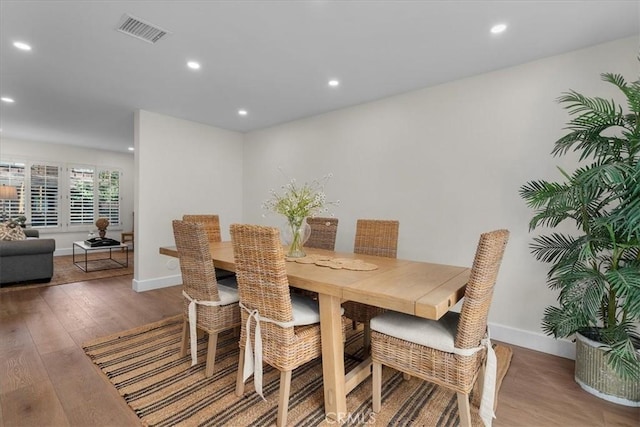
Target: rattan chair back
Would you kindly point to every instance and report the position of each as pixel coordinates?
(196, 265)
(373, 237)
(323, 233)
(377, 237)
(262, 280)
(211, 225)
(472, 325)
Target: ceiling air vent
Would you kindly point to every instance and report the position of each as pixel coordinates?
(140, 29)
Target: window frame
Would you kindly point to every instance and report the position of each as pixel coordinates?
(63, 197)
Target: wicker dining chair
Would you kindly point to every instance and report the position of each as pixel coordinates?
(208, 305)
(373, 237)
(211, 224)
(289, 324)
(452, 351)
(323, 233)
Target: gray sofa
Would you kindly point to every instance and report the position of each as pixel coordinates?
(26, 260)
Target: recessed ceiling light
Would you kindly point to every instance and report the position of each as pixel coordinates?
(243, 112)
(7, 100)
(193, 65)
(498, 28)
(334, 83)
(22, 45)
(130, 148)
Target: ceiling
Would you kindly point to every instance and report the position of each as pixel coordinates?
(82, 81)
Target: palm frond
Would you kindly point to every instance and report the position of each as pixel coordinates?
(631, 90)
(540, 193)
(555, 247)
(620, 349)
(593, 116)
(625, 282)
(562, 322)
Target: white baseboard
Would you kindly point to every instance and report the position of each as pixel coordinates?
(533, 340)
(156, 283)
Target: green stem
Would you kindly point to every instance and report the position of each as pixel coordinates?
(295, 249)
(612, 308)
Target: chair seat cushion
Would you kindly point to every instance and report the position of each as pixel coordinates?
(439, 334)
(306, 311)
(227, 294)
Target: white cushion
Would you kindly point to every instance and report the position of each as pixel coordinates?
(306, 311)
(438, 334)
(227, 294)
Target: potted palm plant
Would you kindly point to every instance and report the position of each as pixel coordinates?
(596, 267)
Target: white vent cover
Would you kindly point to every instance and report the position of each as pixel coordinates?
(140, 29)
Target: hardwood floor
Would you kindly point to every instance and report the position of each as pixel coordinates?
(46, 379)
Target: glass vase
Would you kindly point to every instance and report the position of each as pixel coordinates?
(296, 234)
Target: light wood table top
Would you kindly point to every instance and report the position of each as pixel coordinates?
(418, 288)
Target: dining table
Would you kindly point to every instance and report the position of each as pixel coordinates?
(418, 288)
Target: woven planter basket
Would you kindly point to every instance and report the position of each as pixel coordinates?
(596, 377)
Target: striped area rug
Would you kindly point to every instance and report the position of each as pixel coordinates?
(164, 390)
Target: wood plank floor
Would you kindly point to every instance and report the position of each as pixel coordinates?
(46, 379)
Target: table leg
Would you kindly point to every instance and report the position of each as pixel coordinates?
(335, 396)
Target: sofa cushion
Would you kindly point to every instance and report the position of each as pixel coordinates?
(11, 231)
(26, 247)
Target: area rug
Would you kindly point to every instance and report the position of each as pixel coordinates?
(64, 271)
(164, 390)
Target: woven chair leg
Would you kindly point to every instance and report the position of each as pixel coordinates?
(377, 387)
(354, 325)
(211, 354)
(406, 376)
(464, 410)
(239, 380)
(283, 398)
(185, 339)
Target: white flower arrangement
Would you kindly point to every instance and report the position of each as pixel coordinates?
(300, 201)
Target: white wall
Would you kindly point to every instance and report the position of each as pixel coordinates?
(60, 153)
(182, 167)
(447, 162)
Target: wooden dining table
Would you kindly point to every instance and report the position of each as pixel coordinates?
(419, 288)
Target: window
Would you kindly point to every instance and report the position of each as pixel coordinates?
(81, 195)
(109, 195)
(13, 174)
(44, 195)
(91, 192)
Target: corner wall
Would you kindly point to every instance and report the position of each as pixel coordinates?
(182, 167)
